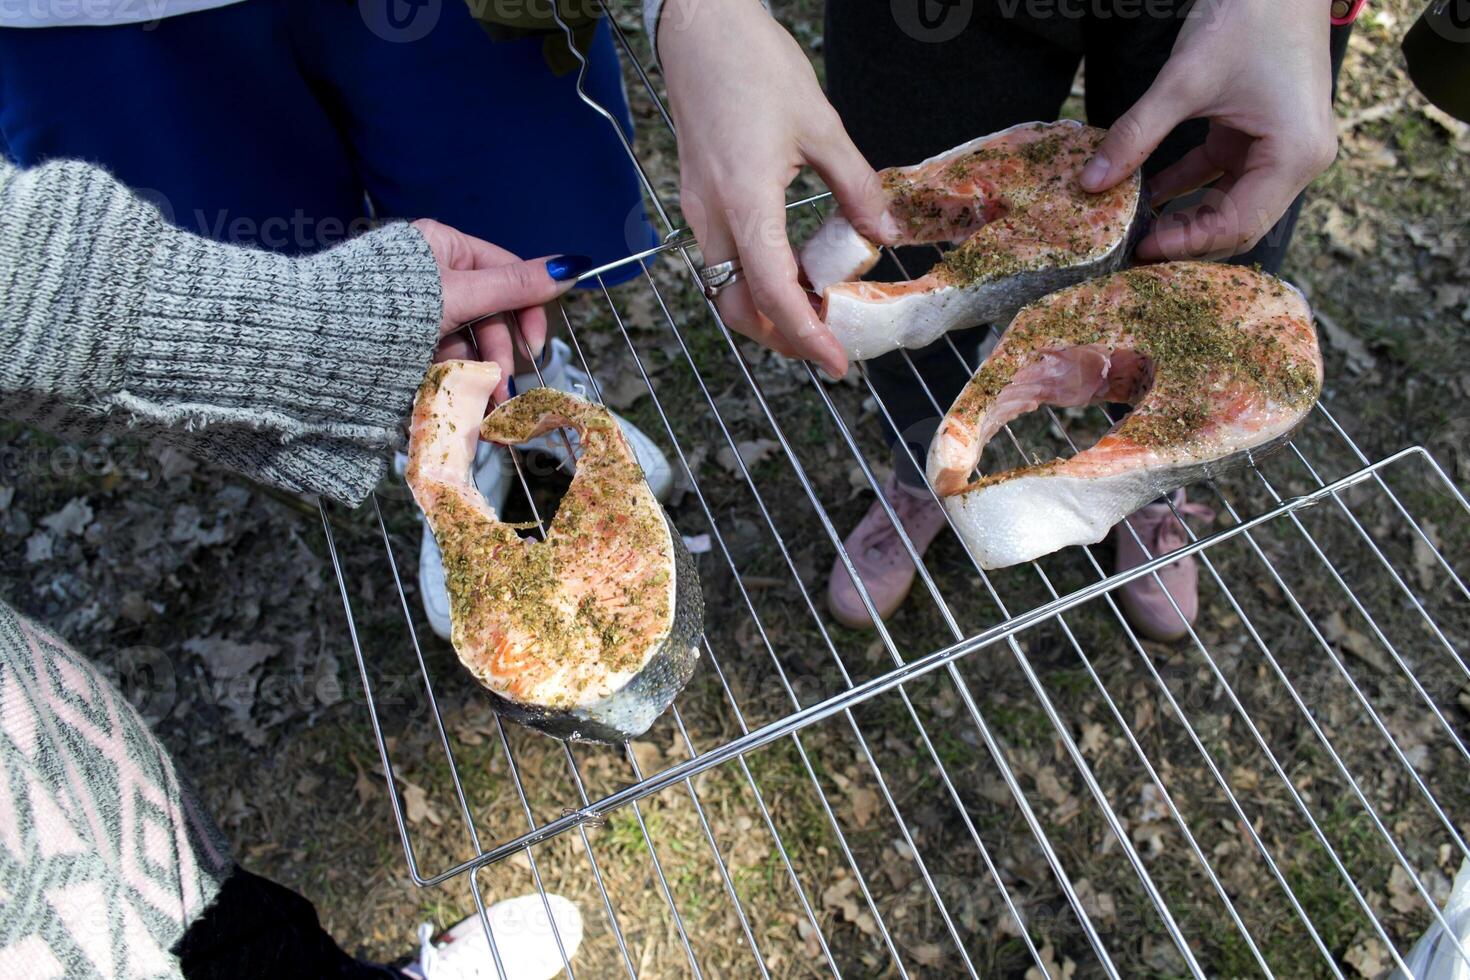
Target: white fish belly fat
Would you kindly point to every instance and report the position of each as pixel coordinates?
(1022, 227)
(1022, 519)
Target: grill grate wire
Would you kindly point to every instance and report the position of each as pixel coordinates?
(585, 810)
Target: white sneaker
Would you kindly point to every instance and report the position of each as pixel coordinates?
(1437, 956)
(523, 937)
(493, 475)
(561, 373)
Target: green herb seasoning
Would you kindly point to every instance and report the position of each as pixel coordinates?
(1033, 212)
(594, 594)
(1197, 347)
(1042, 151)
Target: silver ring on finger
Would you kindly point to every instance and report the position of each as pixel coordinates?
(717, 277)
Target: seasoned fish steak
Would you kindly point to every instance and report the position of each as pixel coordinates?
(1022, 226)
(589, 634)
(1220, 363)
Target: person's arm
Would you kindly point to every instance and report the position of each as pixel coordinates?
(653, 11)
(1260, 71)
(750, 113)
(297, 372)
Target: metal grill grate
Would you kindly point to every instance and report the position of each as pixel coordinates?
(1254, 793)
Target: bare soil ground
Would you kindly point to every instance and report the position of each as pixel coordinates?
(216, 606)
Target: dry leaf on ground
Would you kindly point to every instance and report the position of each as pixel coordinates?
(843, 897)
(1349, 235)
(227, 658)
(865, 806)
(752, 452)
(71, 519)
(416, 804)
(1358, 357)
(365, 786)
(1359, 644)
(623, 391)
(1369, 958)
(1426, 562)
(1402, 894)
(1049, 786)
(38, 547)
(1064, 971)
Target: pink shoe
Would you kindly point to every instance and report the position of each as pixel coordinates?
(880, 558)
(1145, 602)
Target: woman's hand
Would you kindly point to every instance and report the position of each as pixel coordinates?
(1260, 72)
(480, 279)
(750, 113)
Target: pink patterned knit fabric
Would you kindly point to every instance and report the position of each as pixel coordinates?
(105, 854)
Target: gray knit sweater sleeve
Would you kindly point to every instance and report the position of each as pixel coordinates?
(296, 372)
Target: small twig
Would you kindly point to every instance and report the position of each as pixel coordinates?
(1372, 113)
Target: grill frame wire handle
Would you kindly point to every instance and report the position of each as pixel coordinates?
(942, 664)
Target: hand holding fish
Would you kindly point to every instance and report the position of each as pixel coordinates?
(1260, 72)
(481, 279)
(750, 114)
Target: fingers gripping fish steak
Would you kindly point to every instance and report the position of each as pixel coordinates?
(1022, 226)
(1219, 363)
(589, 634)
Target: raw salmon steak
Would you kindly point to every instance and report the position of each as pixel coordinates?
(1219, 363)
(1021, 225)
(589, 634)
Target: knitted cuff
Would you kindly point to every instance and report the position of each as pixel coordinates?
(333, 345)
(295, 371)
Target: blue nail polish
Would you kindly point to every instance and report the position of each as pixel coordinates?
(565, 267)
(510, 383)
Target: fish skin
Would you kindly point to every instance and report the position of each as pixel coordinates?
(590, 634)
(1022, 514)
(869, 319)
(631, 710)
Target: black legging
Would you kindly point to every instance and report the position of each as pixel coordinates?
(258, 928)
(912, 78)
